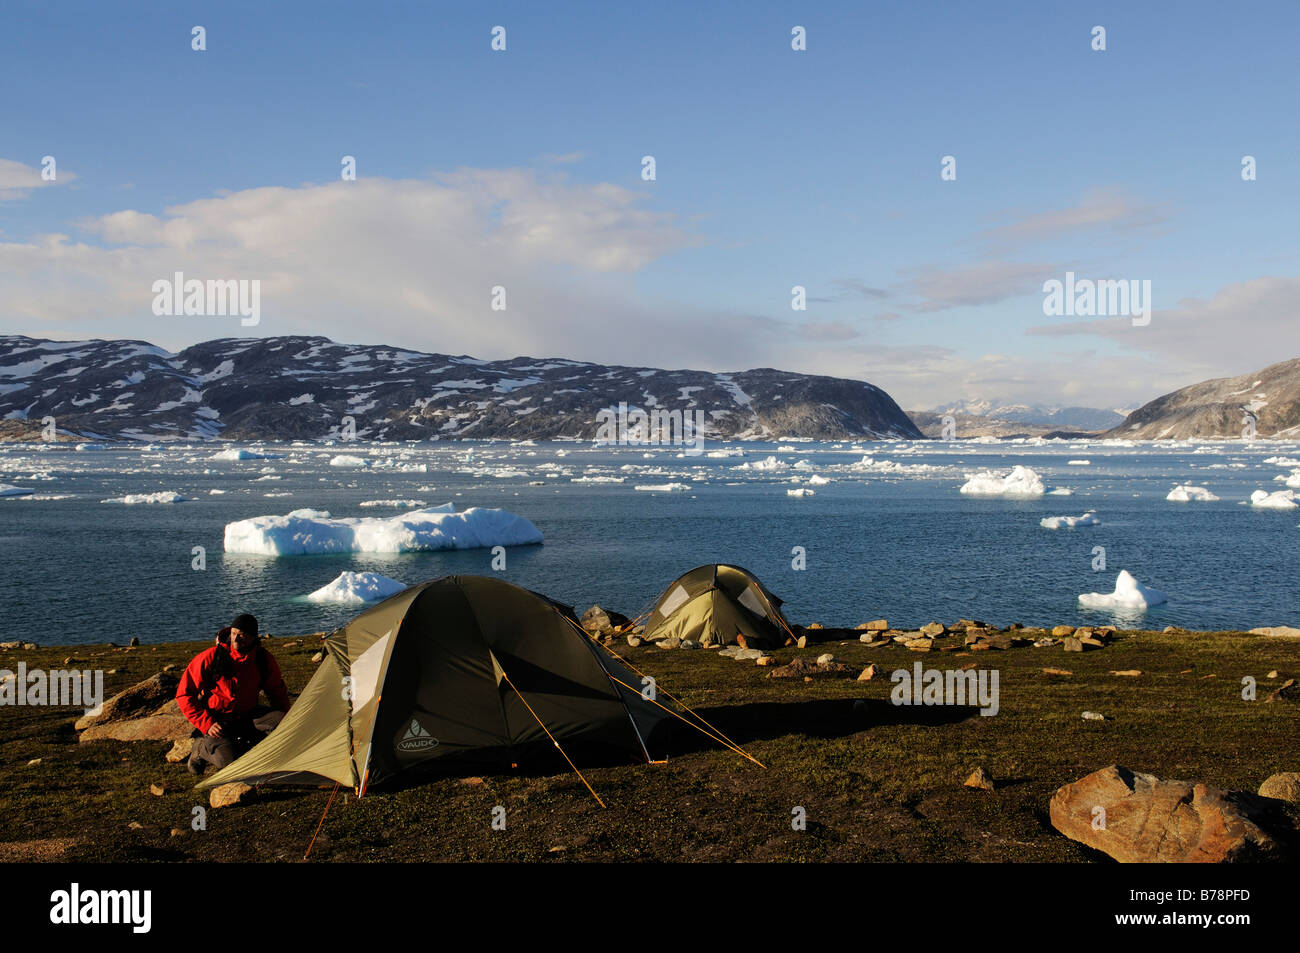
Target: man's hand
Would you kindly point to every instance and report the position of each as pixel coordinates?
(214, 731)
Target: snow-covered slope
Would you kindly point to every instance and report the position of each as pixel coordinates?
(305, 387)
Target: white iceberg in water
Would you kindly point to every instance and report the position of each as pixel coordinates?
(1070, 522)
(243, 454)
(662, 488)
(1280, 500)
(347, 460)
(1128, 594)
(802, 491)
(1021, 483)
(304, 532)
(164, 496)
(1187, 494)
(8, 490)
(357, 587)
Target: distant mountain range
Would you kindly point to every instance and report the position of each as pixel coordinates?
(283, 388)
(1053, 418)
(1269, 399)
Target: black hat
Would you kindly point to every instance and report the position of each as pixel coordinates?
(245, 623)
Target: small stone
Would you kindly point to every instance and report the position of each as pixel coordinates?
(228, 795)
(169, 668)
(670, 643)
(1093, 716)
(157, 790)
(1073, 645)
(180, 750)
(870, 672)
(318, 657)
(979, 779)
(1284, 787)
(919, 645)
(135, 826)
(33, 761)
(472, 782)
(803, 642)
(30, 646)
(68, 661)
(1062, 630)
(1046, 643)
(1128, 673)
(969, 665)
(816, 625)
(825, 659)
(878, 625)
(176, 832)
(1057, 671)
(807, 678)
(688, 644)
(1273, 674)
(135, 641)
(111, 671)
(905, 637)
(633, 641)
(765, 660)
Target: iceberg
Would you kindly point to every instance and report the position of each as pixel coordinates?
(1021, 483)
(347, 460)
(1279, 500)
(1070, 522)
(1187, 494)
(662, 488)
(242, 454)
(8, 490)
(353, 588)
(163, 496)
(802, 491)
(1128, 594)
(306, 532)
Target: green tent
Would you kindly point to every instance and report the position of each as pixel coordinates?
(716, 605)
(460, 665)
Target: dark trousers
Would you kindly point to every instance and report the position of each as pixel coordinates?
(236, 738)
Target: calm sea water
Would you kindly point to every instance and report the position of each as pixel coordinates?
(906, 546)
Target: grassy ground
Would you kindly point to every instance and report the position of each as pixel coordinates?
(878, 783)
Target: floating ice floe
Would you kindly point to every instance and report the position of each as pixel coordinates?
(1021, 483)
(1070, 522)
(1060, 491)
(662, 488)
(399, 504)
(9, 490)
(42, 497)
(802, 491)
(234, 453)
(1128, 594)
(1278, 500)
(348, 460)
(1292, 480)
(1189, 494)
(306, 531)
(1078, 463)
(816, 480)
(354, 588)
(163, 496)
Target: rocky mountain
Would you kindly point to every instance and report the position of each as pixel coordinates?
(1035, 415)
(306, 387)
(968, 426)
(1219, 408)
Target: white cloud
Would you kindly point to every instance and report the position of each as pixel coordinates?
(17, 180)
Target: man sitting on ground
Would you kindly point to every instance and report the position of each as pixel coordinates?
(219, 695)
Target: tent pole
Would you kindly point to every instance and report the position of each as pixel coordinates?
(512, 685)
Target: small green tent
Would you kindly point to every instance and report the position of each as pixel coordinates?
(459, 665)
(716, 605)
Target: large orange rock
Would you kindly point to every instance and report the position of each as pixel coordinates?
(1150, 820)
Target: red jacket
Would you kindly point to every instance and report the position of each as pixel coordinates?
(222, 689)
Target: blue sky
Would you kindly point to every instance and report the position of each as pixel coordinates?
(775, 168)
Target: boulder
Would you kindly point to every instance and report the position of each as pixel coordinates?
(633, 641)
(166, 723)
(765, 660)
(1073, 645)
(228, 795)
(878, 625)
(979, 778)
(1283, 787)
(1061, 631)
(1150, 820)
(1093, 716)
(825, 659)
(140, 699)
(597, 619)
(933, 629)
(669, 643)
(870, 672)
(1278, 631)
(919, 645)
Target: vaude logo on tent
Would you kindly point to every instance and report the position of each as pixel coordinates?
(416, 738)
